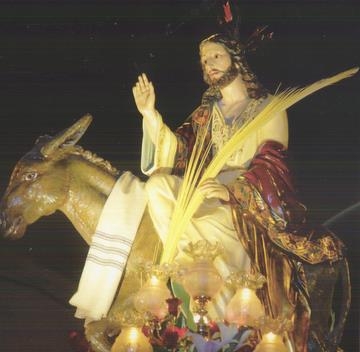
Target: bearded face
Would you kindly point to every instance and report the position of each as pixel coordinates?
(222, 80)
(221, 65)
(218, 67)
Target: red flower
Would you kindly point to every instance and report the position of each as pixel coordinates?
(172, 335)
(213, 328)
(146, 330)
(173, 306)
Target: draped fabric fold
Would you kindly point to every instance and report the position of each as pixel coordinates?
(280, 212)
(110, 248)
(270, 175)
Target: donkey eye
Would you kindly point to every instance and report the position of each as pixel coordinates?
(29, 176)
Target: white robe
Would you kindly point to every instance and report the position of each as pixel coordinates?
(213, 220)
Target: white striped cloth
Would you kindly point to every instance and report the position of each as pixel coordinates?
(110, 247)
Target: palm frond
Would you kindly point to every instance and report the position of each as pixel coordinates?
(189, 198)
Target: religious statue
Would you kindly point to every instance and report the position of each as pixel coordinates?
(249, 205)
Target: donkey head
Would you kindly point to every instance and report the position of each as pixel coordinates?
(38, 183)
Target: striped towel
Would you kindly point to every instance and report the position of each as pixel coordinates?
(110, 248)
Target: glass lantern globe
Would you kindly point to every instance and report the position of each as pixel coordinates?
(152, 297)
(271, 342)
(244, 308)
(131, 339)
(202, 280)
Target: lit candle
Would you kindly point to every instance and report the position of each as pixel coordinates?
(270, 337)
(154, 281)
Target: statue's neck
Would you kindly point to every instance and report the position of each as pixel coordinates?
(234, 92)
(89, 187)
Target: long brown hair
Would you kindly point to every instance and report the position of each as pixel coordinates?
(254, 88)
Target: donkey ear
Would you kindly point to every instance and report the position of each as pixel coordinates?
(67, 137)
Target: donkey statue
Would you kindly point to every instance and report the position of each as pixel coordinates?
(59, 175)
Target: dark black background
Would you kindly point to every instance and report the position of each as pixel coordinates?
(61, 59)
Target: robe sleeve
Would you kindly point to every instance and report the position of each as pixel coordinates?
(270, 176)
(166, 151)
(268, 172)
(266, 195)
(159, 145)
(186, 137)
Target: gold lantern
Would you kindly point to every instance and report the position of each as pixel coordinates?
(200, 279)
(271, 342)
(273, 332)
(245, 308)
(152, 296)
(131, 338)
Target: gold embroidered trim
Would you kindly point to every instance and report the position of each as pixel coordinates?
(221, 132)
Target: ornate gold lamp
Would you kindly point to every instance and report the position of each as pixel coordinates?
(273, 331)
(200, 279)
(245, 307)
(152, 296)
(271, 342)
(131, 338)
